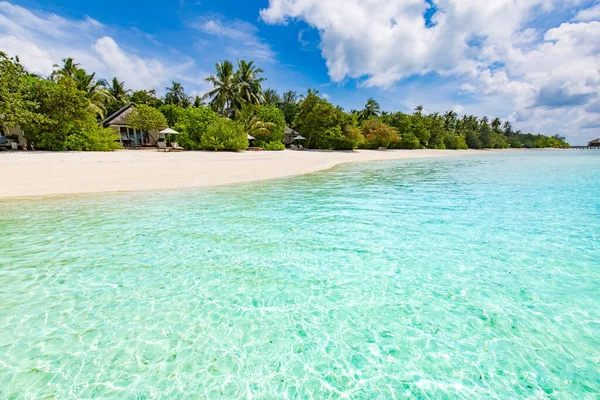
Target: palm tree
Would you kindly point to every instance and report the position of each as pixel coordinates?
(419, 109)
(371, 109)
(249, 84)
(117, 90)
(290, 97)
(198, 101)
(496, 124)
(508, 130)
(271, 97)
(68, 68)
(176, 95)
(251, 122)
(450, 119)
(94, 91)
(309, 92)
(224, 94)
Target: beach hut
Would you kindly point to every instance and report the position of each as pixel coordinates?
(129, 136)
(594, 143)
(290, 134)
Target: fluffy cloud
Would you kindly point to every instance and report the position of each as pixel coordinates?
(494, 47)
(241, 37)
(42, 40)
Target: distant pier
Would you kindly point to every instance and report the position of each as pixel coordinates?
(585, 147)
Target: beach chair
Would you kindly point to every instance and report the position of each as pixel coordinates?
(162, 146)
(176, 147)
(300, 147)
(293, 146)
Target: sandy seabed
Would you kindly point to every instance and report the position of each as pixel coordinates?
(61, 173)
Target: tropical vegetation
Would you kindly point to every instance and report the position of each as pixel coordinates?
(63, 112)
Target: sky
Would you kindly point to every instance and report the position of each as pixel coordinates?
(533, 62)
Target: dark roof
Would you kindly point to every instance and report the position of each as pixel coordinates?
(290, 131)
(116, 114)
(595, 141)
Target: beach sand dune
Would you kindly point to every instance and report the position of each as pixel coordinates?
(60, 173)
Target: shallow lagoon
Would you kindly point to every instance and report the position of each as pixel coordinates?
(459, 277)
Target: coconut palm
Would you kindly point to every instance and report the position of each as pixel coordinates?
(419, 109)
(496, 124)
(68, 68)
(223, 96)
(450, 119)
(271, 97)
(176, 95)
(117, 90)
(371, 109)
(251, 122)
(94, 91)
(290, 97)
(249, 82)
(508, 130)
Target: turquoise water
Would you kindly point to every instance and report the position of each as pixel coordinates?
(474, 277)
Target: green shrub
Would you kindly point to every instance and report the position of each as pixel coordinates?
(193, 124)
(224, 134)
(276, 132)
(276, 146)
(378, 134)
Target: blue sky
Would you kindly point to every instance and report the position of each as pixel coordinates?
(535, 62)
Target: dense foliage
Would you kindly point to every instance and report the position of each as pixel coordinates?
(62, 112)
(54, 114)
(193, 123)
(223, 134)
(146, 118)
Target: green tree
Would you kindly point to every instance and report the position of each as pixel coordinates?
(271, 97)
(118, 95)
(147, 97)
(266, 123)
(172, 113)
(193, 123)
(379, 134)
(249, 83)
(146, 118)
(372, 109)
(224, 95)
(176, 95)
(224, 134)
(15, 108)
(289, 107)
(94, 91)
(68, 123)
(437, 132)
(67, 69)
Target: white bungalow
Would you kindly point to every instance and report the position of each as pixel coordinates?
(130, 137)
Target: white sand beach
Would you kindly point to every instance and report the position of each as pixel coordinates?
(61, 173)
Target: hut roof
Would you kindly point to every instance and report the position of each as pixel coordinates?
(595, 141)
(116, 115)
(290, 131)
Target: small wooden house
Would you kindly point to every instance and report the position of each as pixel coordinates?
(130, 137)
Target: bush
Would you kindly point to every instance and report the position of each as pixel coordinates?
(378, 134)
(146, 118)
(193, 124)
(276, 132)
(172, 113)
(224, 134)
(277, 146)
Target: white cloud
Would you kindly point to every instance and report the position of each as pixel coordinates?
(241, 37)
(491, 47)
(41, 40)
(590, 14)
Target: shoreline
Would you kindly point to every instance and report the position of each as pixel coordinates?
(40, 174)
